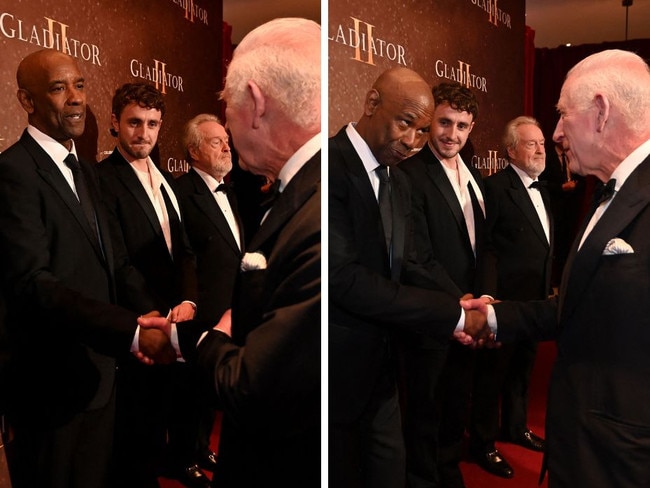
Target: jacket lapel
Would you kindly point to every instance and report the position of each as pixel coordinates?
(356, 172)
(302, 186)
(632, 198)
(128, 177)
(205, 202)
(48, 170)
(519, 195)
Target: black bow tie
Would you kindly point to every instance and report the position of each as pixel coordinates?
(538, 184)
(223, 188)
(605, 192)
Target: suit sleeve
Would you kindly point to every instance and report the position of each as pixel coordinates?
(430, 273)
(533, 320)
(277, 370)
(27, 257)
(365, 293)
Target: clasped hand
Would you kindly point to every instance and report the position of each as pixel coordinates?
(476, 331)
(154, 340)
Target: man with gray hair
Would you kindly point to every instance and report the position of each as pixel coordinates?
(269, 387)
(597, 418)
(216, 235)
(517, 266)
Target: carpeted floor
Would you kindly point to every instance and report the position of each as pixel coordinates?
(525, 463)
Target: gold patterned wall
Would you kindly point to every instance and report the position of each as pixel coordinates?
(477, 42)
(173, 44)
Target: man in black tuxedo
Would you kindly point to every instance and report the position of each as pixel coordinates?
(215, 231)
(269, 388)
(367, 299)
(210, 214)
(60, 277)
(449, 214)
(155, 405)
(597, 417)
(518, 266)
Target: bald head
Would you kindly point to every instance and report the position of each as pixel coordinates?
(51, 91)
(397, 115)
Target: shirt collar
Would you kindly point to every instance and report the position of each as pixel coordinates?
(53, 148)
(630, 163)
(368, 159)
(523, 176)
(298, 160)
(210, 180)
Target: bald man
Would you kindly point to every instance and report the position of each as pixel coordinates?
(366, 261)
(60, 273)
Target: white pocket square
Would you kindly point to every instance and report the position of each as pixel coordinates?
(617, 246)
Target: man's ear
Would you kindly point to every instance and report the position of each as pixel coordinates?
(194, 154)
(373, 99)
(259, 103)
(602, 103)
(25, 100)
(115, 125)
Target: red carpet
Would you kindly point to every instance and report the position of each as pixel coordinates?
(525, 463)
(214, 443)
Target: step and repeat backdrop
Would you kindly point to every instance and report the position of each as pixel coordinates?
(175, 45)
(479, 43)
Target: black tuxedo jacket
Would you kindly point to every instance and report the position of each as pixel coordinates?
(217, 254)
(169, 280)
(441, 235)
(518, 259)
(366, 297)
(597, 412)
(58, 286)
(441, 232)
(269, 389)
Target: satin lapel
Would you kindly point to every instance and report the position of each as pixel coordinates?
(633, 197)
(205, 202)
(302, 186)
(441, 181)
(48, 170)
(128, 177)
(356, 172)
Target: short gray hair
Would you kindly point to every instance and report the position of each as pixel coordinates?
(619, 75)
(192, 136)
(283, 58)
(510, 135)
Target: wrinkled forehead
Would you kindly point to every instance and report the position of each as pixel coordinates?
(412, 103)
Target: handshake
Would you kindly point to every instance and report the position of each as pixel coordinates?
(154, 340)
(155, 345)
(476, 331)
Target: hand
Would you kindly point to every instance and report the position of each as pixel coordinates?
(153, 313)
(182, 312)
(153, 321)
(155, 346)
(476, 327)
(225, 323)
(156, 322)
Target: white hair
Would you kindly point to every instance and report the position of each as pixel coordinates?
(283, 58)
(622, 76)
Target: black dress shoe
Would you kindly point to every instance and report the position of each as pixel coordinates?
(493, 462)
(193, 477)
(530, 441)
(209, 461)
